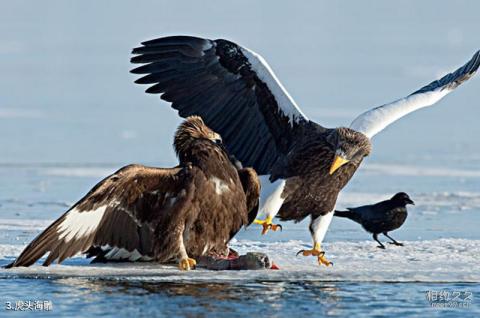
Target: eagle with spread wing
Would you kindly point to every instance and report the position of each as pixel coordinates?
(158, 214)
(304, 164)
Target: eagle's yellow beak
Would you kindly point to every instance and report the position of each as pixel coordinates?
(337, 163)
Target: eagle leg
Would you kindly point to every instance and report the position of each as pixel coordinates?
(186, 263)
(268, 225)
(318, 228)
(316, 251)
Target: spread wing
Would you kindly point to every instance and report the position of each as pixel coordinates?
(375, 120)
(232, 88)
(116, 213)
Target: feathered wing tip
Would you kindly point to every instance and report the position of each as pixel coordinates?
(454, 79)
(115, 213)
(45, 242)
(375, 120)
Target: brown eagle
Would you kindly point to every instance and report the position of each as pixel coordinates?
(162, 214)
(304, 164)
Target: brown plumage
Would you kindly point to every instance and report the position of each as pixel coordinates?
(310, 189)
(144, 213)
(251, 187)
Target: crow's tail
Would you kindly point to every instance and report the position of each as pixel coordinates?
(346, 214)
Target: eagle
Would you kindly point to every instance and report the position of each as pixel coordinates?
(143, 213)
(303, 165)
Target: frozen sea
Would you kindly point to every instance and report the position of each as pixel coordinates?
(70, 115)
(441, 253)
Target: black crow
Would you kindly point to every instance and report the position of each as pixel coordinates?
(381, 217)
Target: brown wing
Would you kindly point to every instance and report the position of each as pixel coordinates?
(251, 187)
(118, 212)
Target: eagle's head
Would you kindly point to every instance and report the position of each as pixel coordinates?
(191, 130)
(349, 146)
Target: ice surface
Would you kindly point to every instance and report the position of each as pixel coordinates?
(441, 237)
(442, 260)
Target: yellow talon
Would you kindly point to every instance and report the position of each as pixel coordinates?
(316, 251)
(268, 225)
(187, 264)
(323, 260)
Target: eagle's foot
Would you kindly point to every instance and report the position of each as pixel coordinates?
(322, 260)
(312, 252)
(186, 264)
(268, 225)
(316, 251)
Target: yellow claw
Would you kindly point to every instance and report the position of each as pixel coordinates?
(323, 260)
(186, 264)
(268, 225)
(316, 251)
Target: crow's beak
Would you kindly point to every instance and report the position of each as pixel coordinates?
(337, 163)
(409, 201)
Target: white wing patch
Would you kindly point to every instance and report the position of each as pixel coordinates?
(220, 186)
(80, 224)
(266, 74)
(375, 120)
(117, 254)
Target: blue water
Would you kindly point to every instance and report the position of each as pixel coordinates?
(70, 114)
(72, 297)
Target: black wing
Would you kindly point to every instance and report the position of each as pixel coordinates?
(232, 88)
(116, 215)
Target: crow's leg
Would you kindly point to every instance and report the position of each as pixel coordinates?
(375, 237)
(393, 240)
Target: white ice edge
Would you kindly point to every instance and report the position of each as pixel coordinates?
(442, 260)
